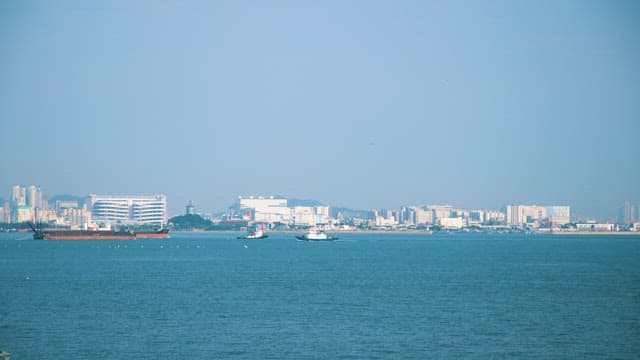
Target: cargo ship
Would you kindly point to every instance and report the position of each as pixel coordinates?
(83, 235)
(56, 234)
(159, 234)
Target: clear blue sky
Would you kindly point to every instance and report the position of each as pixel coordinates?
(354, 103)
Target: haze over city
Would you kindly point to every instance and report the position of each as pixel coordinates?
(359, 104)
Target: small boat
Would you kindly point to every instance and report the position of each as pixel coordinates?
(315, 234)
(256, 234)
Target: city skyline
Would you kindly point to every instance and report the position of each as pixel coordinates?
(174, 207)
(33, 196)
(358, 104)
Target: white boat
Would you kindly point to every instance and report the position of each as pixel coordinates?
(315, 234)
(256, 234)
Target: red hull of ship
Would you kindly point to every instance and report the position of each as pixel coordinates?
(97, 235)
(84, 237)
(152, 236)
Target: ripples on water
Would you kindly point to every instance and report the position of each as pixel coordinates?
(367, 296)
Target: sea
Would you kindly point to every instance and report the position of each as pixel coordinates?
(365, 296)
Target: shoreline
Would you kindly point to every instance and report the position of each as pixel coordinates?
(422, 232)
(592, 233)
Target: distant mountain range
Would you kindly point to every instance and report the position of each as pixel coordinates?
(67, 197)
(333, 211)
(303, 202)
(350, 213)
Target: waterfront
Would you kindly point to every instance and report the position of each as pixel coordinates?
(208, 295)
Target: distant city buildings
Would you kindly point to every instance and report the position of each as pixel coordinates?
(265, 209)
(26, 204)
(537, 216)
(628, 213)
(18, 196)
(272, 210)
(29, 204)
(5, 213)
(444, 216)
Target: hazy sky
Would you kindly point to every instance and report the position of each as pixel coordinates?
(353, 103)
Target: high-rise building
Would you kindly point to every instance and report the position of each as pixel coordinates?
(34, 198)
(424, 216)
(494, 217)
(407, 215)
(18, 196)
(7, 213)
(559, 215)
(628, 213)
(129, 209)
(4, 218)
(304, 215)
(518, 215)
(440, 211)
(76, 217)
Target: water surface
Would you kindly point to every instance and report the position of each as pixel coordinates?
(205, 296)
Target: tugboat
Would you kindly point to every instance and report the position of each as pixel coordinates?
(254, 235)
(315, 234)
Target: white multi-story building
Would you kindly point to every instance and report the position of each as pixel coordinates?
(424, 216)
(271, 210)
(385, 221)
(18, 196)
(4, 218)
(266, 209)
(22, 214)
(451, 223)
(129, 209)
(596, 227)
(559, 215)
(34, 197)
(518, 215)
(440, 211)
(494, 216)
(310, 215)
(261, 202)
(77, 218)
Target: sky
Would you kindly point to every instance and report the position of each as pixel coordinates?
(364, 104)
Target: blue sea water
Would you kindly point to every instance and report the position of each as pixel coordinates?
(210, 296)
